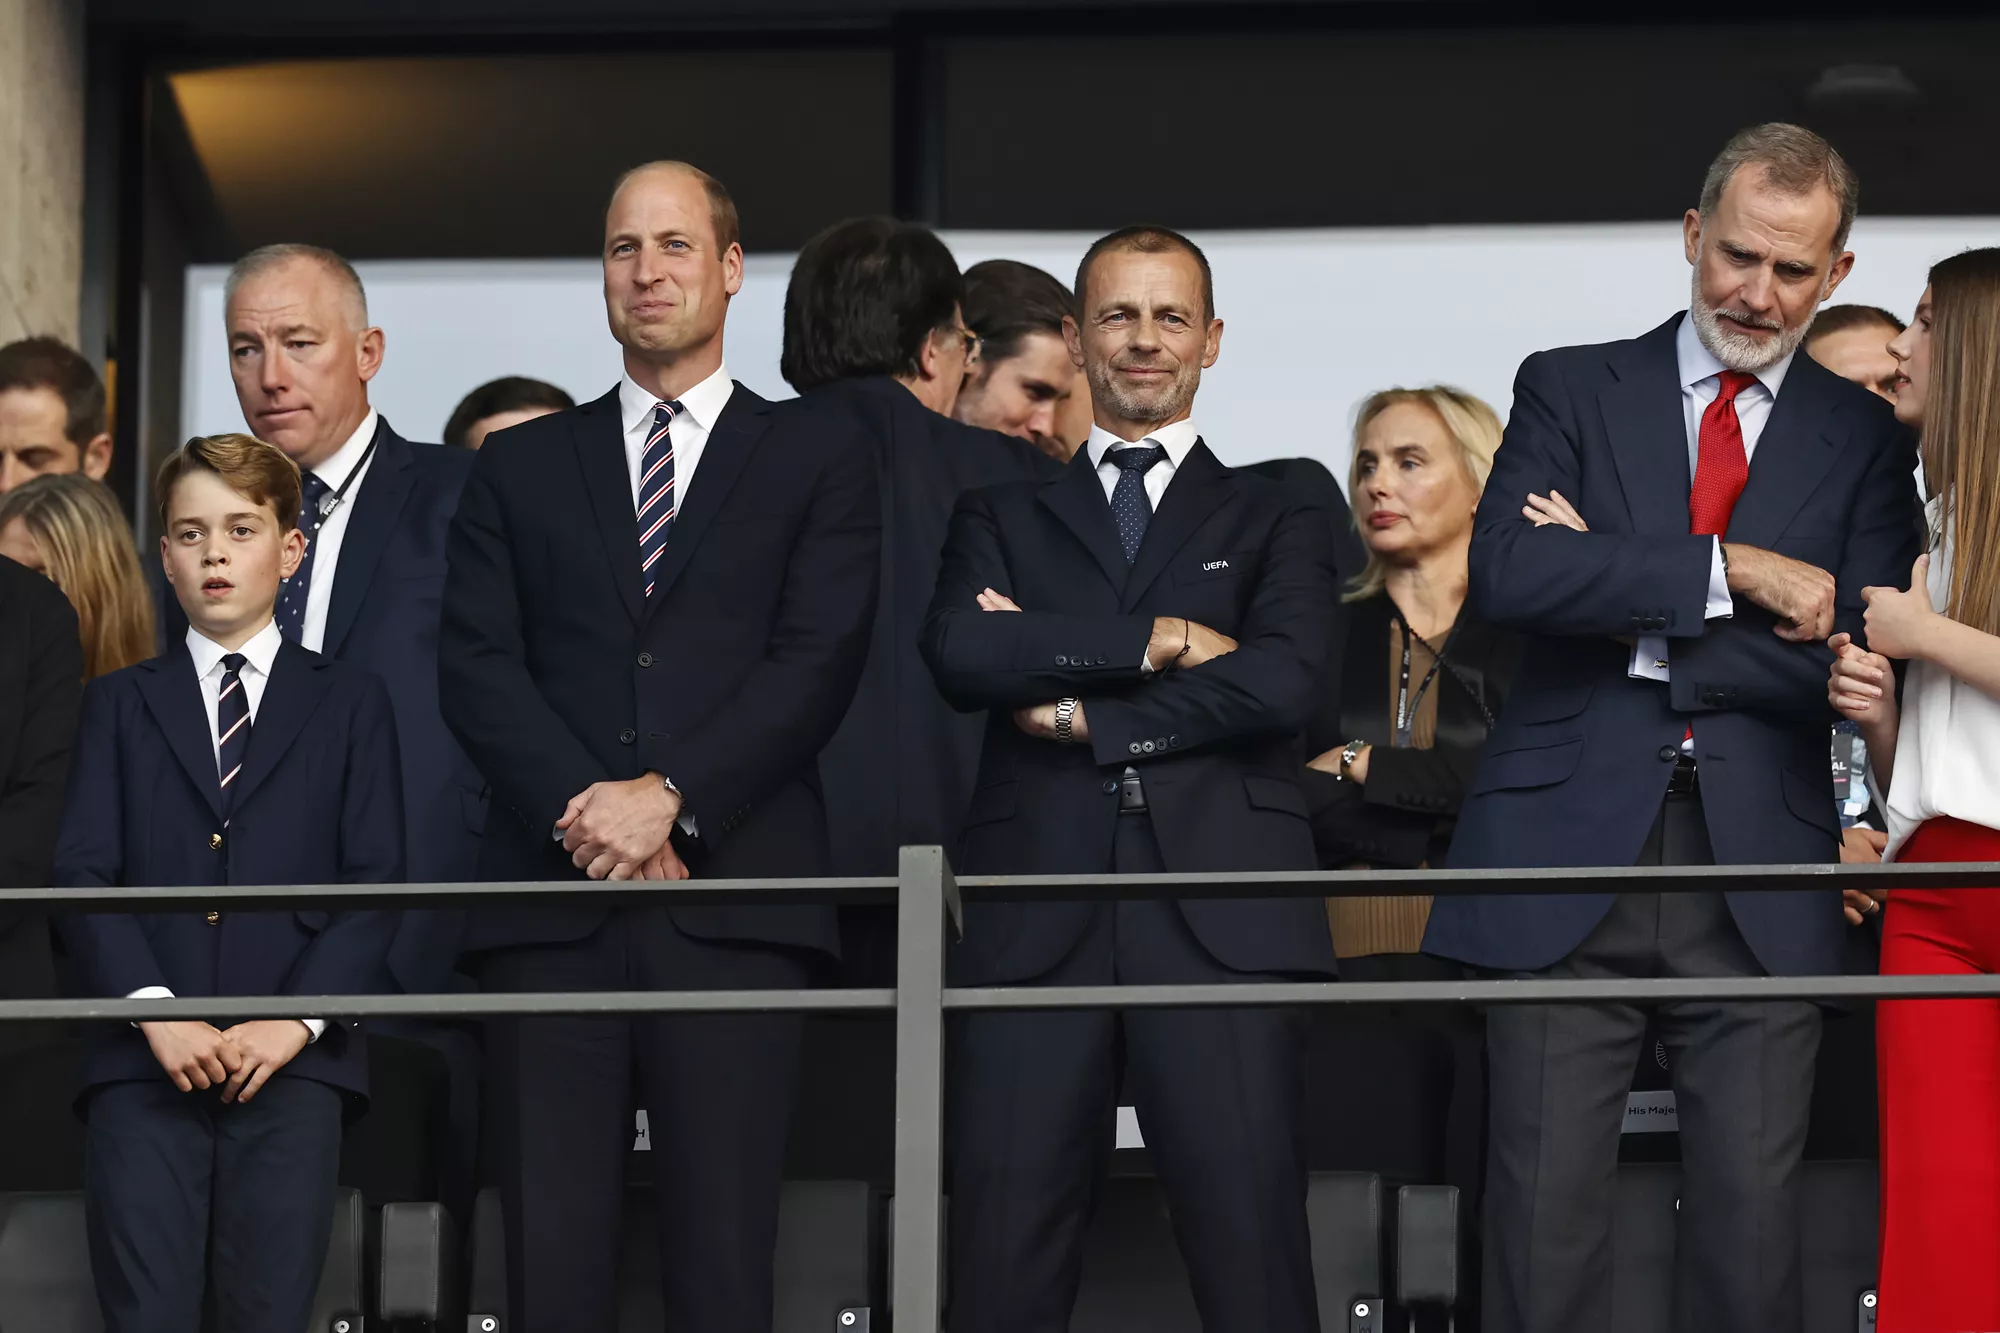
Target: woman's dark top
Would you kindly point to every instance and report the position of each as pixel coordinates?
(1402, 817)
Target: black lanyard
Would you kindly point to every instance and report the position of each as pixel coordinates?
(1406, 706)
(329, 503)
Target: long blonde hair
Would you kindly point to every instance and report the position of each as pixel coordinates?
(1961, 440)
(87, 548)
(1473, 426)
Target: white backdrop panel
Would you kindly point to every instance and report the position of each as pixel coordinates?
(1315, 320)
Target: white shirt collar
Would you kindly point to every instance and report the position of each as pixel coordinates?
(261, 651)
(334, 471)
(1697, 363)
(703, 403)
(1177, 439)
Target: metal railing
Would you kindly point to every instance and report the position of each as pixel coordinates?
(929, 900)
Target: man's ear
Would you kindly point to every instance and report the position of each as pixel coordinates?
(1212, 344)
(96, 458)
(1842, 266)
(927, 356)
(1073, 339)
(1691, 235)
(369, 347)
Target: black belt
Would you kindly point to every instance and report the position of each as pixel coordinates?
(1685, 780)
(1131, 795)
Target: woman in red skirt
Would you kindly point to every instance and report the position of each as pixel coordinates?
(1937, 770)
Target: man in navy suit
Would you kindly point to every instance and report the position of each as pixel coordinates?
(658, 605)
(376, 508)
(1676, 523)
(1145, 634)
(238, 758)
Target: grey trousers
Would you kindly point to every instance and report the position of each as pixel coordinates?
(1742, 1076)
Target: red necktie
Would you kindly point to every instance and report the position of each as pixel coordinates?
(1721, 465)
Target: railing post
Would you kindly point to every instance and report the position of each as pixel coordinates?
(924, 891)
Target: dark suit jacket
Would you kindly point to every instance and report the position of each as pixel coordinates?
(319, 801)
(558, 673)
(1217, 744)
(41, 684)
(1578, 766)
(383, 615)
(1313, 482)
(1404, 814)
(899, 769)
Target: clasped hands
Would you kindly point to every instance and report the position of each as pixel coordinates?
(1176, 642)
(239, 1060)
(624, 830)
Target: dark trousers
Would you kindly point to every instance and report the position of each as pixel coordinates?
(1742, 1078)
(178, 1185)
(718, 1093)
(1032, 1100)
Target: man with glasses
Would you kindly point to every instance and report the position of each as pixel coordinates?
(876, 342)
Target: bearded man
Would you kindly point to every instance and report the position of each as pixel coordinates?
(1145, 634)
(1675, 525)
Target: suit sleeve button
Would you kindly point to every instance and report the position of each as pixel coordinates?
(1062, 661)
(1146, 747)
(627, 736)
(1133, 747)
(1100, 659)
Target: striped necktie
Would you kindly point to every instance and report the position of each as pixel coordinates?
(656, 491)
(232, 728)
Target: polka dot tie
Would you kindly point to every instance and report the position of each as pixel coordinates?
(1129, 503)
(292, 597)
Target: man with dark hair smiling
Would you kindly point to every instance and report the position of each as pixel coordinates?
(51, 413)
(1023, 382)
(1144, 634)
(1675, 524)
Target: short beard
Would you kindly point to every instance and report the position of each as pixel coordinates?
(1735, 349)
(1105, 388)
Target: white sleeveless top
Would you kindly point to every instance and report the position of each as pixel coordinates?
(1948, 748)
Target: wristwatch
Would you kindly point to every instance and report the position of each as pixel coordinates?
(1065, 718)
(1348, 754)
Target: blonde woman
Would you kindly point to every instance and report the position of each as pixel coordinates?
(1936, 762)
(68, 527)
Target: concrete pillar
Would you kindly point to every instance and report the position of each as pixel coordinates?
(41, 166)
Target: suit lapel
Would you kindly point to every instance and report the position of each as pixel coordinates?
(291, 696)
(731, 441)
(173, 697)
(1792, 456)
(1647, 427)
(599, 436)
(1197, 491)
(1077, 498)
(378, 506)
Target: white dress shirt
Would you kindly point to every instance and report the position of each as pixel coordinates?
(258, 655)
(1176, 439)
(1700, 383)
(700, 407)
(1948, 746)
(326, 560)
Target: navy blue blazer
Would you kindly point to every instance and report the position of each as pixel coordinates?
(1217, 744)
(1577, 767)
(559, 672)
(383, 616)
(319, 801)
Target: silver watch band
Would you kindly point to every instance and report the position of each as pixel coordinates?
(1065, 719)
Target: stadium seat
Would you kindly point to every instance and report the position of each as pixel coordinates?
(45, 1283)
(418, 1272)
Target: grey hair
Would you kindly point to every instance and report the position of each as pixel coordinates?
(1795, 161)
(267, 257)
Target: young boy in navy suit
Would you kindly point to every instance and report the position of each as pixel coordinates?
(236, 758)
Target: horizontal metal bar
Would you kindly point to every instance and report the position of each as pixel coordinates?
(1541, 879)
(609, 1004)
(1648, 990)
(1022, 888)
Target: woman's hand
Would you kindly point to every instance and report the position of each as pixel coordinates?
(1554, 509)
(1861, 685)
(1899, 623)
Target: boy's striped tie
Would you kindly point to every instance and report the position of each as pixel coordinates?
(232, 728)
